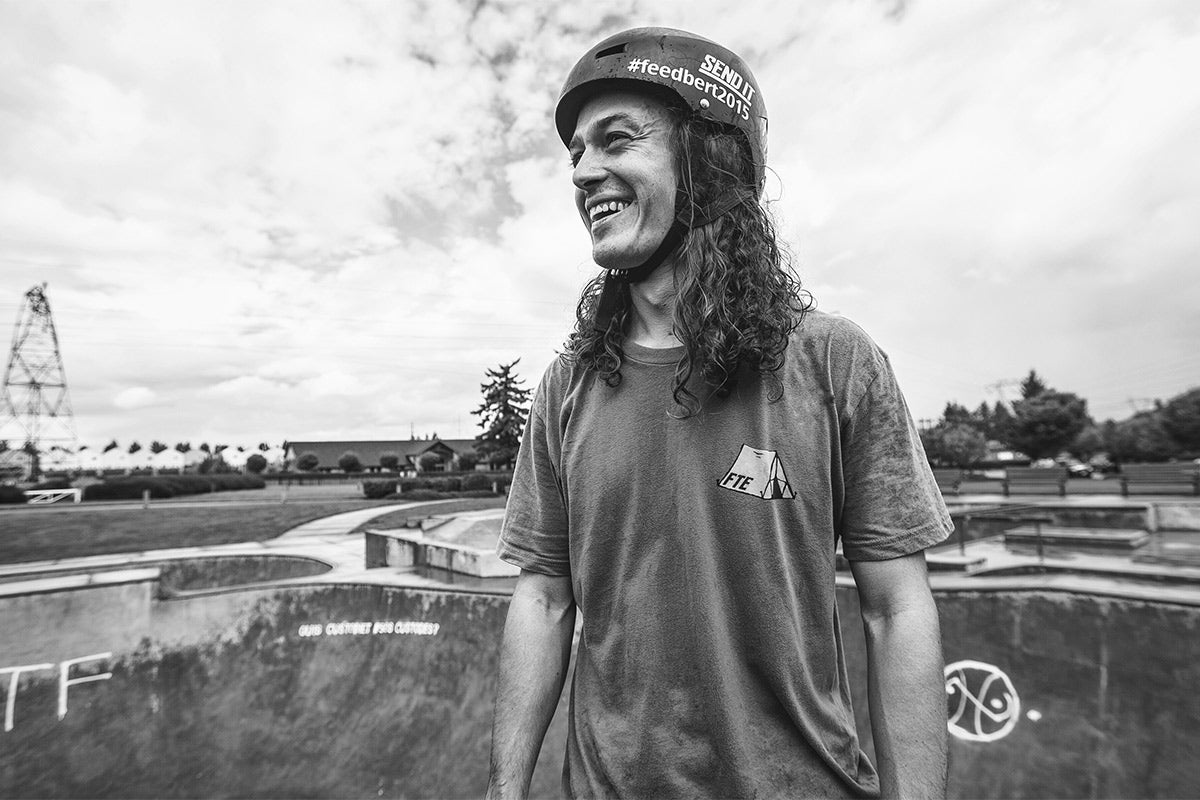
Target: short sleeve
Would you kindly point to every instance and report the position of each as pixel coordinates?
(892, 505)
(534, 533)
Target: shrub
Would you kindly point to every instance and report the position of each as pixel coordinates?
(390, 461)
(447, 484)
(11, 494)
(467, 461)
(52, 483)
(475, 483)
(307, 462)
(350, 462)
(374, 490)
(256, 463)
(423, 494)
(163, 486)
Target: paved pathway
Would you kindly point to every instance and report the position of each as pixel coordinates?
(325, 539)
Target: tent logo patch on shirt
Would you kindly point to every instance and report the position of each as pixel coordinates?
(758, 473)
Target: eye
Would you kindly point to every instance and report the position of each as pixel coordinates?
(575, 156)
(613, 137)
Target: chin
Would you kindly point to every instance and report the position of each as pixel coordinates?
(620, 257)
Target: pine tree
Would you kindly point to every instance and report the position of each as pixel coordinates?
(502, 415)
(1032, 386)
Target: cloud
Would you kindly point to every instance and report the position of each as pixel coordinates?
(135, 397)
(332, 219)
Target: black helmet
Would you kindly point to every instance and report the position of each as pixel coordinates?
(712, 81)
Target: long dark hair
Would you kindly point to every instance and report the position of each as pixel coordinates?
(737, 297)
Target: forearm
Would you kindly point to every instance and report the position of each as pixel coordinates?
(534, 655)
(907, 698)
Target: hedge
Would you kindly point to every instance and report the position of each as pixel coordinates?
(375, 490)
(11, 494)
(473, 482)
(163, 486)
(436, 488)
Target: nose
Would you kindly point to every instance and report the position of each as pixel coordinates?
(589, 170)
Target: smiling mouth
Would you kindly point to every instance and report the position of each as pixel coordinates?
(607, 209)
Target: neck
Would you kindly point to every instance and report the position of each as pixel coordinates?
(653, 312)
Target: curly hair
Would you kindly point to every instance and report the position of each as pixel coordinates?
(737, 297)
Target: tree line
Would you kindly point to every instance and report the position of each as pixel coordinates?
(1048, 423)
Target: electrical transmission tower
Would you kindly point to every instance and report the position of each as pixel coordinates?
(35, 409)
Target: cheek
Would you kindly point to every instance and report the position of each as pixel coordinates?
(579, 201)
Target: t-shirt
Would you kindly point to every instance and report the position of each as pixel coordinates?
(701, 552)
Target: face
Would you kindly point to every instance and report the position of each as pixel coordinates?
(624, 176)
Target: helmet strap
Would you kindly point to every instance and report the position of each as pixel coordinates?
(609, 295)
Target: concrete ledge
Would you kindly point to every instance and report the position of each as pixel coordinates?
(1079, 537)
(950, 562)
(404, 548)
(89, 580)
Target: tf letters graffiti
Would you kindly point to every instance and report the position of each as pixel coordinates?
(65, 681)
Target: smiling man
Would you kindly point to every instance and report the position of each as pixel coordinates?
(691, 464)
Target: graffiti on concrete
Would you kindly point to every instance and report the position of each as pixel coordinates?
(65, 682)
(983, 704)
(402, 627)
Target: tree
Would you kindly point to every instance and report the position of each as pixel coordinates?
(1000, 425)
(1088, 443)
(502, 415)
(466, 461)
(204, 448)
(389, 461)
(263, 447)
(956, 414)
(157, 447)
(427, 462)
(111, 446)
(350, 462)
(955, 444)
(1046, 422)
(1032, 386)
(256, 463)
(1181, 419)
(134, 447)
(307, 462)
(183, 447)
(1142, 437)
(3, 445)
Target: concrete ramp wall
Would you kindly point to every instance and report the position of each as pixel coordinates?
(359, 690)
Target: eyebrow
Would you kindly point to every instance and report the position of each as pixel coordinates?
(604, 122)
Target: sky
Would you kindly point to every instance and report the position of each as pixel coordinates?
(266, 221)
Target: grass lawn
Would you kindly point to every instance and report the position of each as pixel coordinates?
(48, 532)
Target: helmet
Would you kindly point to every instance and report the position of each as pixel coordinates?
(713, 82)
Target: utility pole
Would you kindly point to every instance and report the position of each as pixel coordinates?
(35, 406)
(999, 386)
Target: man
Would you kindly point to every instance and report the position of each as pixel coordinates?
(690, 465)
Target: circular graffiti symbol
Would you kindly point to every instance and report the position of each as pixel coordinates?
(983, 705)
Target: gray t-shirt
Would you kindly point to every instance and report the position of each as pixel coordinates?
(701, 553)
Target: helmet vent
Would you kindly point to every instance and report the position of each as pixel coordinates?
(610, 51)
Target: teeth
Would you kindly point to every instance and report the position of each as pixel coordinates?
(606, 208)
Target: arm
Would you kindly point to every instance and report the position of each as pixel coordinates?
(905, 681)
(534, 655)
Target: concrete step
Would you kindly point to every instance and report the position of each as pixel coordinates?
(1123, 538)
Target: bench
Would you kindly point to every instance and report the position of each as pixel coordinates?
(1179, 477)
(948, 480)
(1035, 480)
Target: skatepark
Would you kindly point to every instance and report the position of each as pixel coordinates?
(354, 656)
